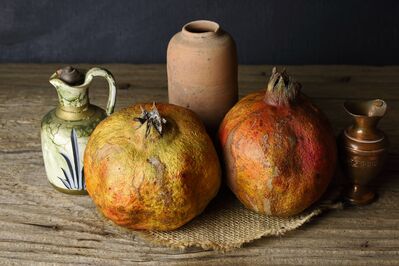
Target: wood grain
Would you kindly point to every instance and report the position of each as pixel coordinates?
(41, 225)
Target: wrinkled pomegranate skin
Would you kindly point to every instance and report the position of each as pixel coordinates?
(158, 183)
(279, 160)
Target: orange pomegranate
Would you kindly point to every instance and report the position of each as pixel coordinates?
(152, 170)
(279, 149)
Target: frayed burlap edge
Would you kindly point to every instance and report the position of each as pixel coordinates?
(229, 226)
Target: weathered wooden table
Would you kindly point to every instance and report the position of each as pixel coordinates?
(39, 224)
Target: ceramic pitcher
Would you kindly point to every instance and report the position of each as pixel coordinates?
(65, 130)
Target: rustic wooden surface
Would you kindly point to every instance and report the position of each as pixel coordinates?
(39, 224)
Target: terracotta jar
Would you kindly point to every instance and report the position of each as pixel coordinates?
(202, 71)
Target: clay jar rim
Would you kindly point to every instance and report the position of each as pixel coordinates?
(201, 29)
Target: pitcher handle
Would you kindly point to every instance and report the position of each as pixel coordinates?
(102, 72)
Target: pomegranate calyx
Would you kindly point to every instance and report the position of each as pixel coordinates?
(152, 119)
(281, 89)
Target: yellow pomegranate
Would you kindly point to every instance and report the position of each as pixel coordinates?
(152, 169)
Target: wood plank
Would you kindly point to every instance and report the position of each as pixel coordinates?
(38, 224)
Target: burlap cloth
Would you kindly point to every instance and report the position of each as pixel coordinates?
(226, 224)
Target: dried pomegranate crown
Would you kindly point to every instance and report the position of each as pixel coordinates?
(152, 118)
(281, 89)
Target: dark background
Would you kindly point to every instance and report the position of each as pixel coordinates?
(266, 32)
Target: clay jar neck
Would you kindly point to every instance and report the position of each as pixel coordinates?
(366, 115)
(201, 29)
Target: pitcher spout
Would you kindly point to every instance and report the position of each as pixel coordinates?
(71, 89)
(373, 108)
(366, 114)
